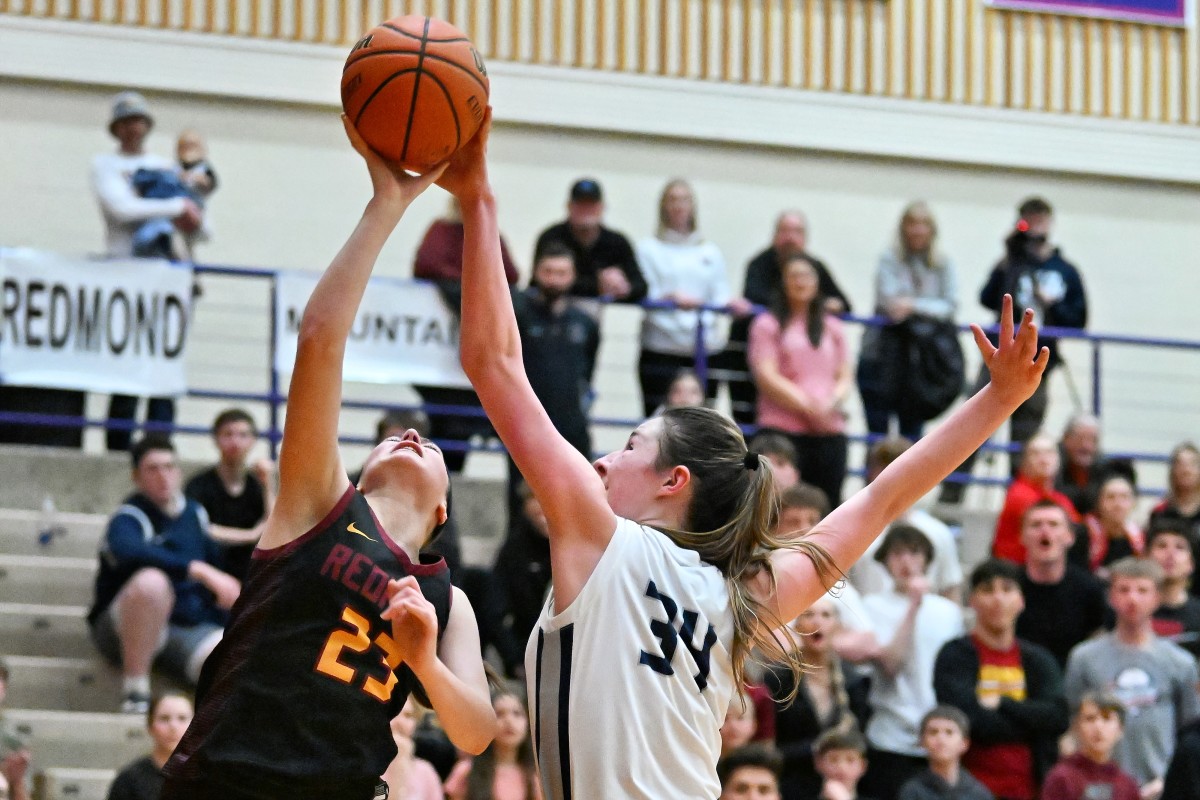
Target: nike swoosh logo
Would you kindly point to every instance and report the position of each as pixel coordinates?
(351, 527)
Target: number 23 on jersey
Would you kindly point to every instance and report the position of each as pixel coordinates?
(358, 640)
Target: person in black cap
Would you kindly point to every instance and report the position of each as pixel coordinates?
(604, 262)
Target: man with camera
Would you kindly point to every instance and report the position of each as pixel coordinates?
(1037, 276)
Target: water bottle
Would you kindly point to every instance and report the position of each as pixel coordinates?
(48, 524)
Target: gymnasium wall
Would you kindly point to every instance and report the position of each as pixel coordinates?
(291, 190)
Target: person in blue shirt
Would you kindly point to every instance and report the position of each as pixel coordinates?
(160, 595)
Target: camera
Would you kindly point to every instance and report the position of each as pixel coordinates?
(1023, 246)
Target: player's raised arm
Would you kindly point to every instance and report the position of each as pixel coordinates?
(569, 489)
(847, 531)
(311, 474)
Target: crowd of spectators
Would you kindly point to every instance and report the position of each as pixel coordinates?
(1066, 662)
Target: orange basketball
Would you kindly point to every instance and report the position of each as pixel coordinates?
(415, 88)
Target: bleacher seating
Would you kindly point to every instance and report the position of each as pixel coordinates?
(61, 694)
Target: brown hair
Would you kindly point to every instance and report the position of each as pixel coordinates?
(1176, 452)
(805, 495)
(885, 451)
(837, 739)
(482, 777)
(951, 714)
(1136, 569)
(1106, 702)
(230, 415)
(730, 523)
(1044, 503)
(157, 700)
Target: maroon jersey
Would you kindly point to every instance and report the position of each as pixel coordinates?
(302, 689)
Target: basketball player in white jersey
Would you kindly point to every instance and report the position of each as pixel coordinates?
(665, 572)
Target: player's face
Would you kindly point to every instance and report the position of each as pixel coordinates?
(1046, 535)
(1133, 599)
(512, 725)
(158, 477)
(170, 721)
(631, 479)
(751, 783)
(1098, 730)
(234, 440)
(410, 459)
(943, 740)
(997, 604)
(1173, 554)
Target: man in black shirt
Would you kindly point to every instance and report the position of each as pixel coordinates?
(236, 496)
(605, 265)
(762, 283)
(1064, 604)
(559, 344)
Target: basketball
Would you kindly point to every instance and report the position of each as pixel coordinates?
(416, 89)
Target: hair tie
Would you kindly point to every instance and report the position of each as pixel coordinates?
(751, 460)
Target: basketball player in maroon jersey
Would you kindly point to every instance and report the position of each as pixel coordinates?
(339, 618)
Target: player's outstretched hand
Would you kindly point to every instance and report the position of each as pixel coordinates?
(389, 181)
(414, 623)
(466, 175)
(1016, 364)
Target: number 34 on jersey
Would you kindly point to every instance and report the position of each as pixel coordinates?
(669, 636)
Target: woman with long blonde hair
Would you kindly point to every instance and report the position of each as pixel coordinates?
(914, 278)
(666, 574)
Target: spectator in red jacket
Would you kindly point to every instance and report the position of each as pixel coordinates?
(439, 257)
(1034, 481)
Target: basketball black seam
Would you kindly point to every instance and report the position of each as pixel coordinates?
(453, 110)
(363, 109)
(412, 103)
(403, 32)
(430, 56)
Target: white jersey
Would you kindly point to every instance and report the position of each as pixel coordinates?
(629, 685)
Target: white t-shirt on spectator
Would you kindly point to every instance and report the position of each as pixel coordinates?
(898, 703)
(945, 571)
(123, 210)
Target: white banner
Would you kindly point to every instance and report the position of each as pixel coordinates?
(404, 333)
(118, 326)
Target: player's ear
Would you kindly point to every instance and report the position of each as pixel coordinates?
(677, 480)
